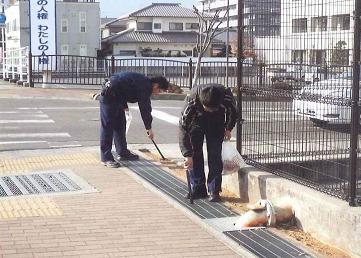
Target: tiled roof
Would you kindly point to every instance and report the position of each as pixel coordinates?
(106, 20)
(131, 36)
(164, 10)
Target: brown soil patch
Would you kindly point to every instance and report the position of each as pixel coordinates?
(233, 202)
(312, 243)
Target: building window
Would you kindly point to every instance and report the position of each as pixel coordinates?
(319, 24)
(157, 26)
(187, 52)
(341, 22)
(64, 50)
(299, 25)
(127, 53)
(83, 50)
(82, 21)
(64, 25)
(15, 27)
(317, 57)
(298, 56)
(192, 26)
(175, 26)
(144, 26)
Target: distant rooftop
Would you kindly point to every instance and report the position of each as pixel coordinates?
(131, 36)
(106, 20)
(164, 10)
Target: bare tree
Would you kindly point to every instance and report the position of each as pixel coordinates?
(207, 32)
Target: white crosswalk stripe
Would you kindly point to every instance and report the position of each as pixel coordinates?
(26, 121)
(14, 122)
(33, 135)
(21, 142)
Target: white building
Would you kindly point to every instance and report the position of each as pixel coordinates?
(315, 32)
(213, 5)
(77, 21)
(160, 29)
(261, 17)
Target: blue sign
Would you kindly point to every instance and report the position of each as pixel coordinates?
(2, 18)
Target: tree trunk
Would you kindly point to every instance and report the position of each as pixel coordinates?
(197, 70)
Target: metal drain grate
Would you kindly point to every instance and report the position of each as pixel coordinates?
(46, 182)
(176, 189)
(265, 244)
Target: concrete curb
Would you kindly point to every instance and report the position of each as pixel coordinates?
(326, 218)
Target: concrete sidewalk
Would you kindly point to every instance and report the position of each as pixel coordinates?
(122, 219)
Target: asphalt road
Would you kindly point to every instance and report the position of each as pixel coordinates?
(37, 123)
(269, 127)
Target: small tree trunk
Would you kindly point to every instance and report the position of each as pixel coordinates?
(197, 70)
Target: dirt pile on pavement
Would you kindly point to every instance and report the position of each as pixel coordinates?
(233, 202)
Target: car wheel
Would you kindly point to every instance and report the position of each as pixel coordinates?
(318, 122)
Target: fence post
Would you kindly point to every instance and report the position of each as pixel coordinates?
(355, 113)
(113, 65)
(261, 65)
(239, 73)
(190, 73)
(30, 70)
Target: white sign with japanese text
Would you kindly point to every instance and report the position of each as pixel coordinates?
(43, 31)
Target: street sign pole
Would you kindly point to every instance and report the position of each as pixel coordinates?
(2, 27)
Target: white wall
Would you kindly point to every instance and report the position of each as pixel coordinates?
(136, 47)
(325, 40)
(164, 21)
(12, 36)
(270, 50)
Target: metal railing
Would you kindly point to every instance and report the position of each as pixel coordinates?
(83, 70)
(302, 113)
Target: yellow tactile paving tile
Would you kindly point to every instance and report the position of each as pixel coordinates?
(28, 207)
(14, 166)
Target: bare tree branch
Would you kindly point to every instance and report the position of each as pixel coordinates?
(200, 15)
(207, 31)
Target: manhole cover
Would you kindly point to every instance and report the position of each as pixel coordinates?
(44, 182)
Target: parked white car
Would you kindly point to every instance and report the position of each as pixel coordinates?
(327, 101)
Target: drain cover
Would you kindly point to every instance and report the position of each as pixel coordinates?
(265, 244)
(45, 182)
(176, 189)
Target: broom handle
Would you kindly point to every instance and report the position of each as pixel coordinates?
(163, 158)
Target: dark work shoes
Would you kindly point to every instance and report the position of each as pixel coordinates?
(198, 193)
(110, 164)
(214, 197)
(126, 156)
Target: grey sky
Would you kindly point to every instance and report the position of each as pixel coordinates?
(116, 8)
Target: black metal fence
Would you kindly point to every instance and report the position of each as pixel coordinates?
(83, 70)
(302, 114)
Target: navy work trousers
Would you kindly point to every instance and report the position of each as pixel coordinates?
(113, 126)
(211, 126)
